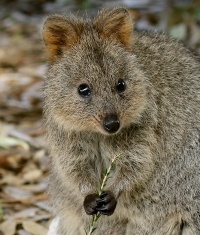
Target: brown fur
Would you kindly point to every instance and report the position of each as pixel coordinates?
(116, 25)
(60, 34)
(156, 180)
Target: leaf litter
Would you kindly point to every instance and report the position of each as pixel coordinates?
(24, 159)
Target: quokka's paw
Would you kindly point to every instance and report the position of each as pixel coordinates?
(91, 203)
(105, 203)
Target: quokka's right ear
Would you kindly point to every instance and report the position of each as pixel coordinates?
(60, 34)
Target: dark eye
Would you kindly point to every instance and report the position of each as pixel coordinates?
(84, 90)
(121, 86)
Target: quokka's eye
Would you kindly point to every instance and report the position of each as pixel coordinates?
(121, 86)
(84, 90)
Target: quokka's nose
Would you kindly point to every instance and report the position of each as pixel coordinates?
(111, 123)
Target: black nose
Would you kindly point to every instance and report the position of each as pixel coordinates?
(111, 123)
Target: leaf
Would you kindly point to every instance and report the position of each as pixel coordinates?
(98, 215)
(85, 231)
(104, 172)
(8, 227)
(34, 228)
(179, 31)
(94, 229)
(26, 213)
(7, 142)
(1, 212)
(17, 193)
(23, 232)
(32, 175)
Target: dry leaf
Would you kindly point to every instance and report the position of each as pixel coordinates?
(33, 175)
(7, 142)
(35, 188)
(23, 232)
(17, 193)
(11, 179)
(43, 205)
(34, 228)
(27, 213)
(8, 227)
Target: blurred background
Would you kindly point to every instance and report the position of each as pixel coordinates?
(23, 157)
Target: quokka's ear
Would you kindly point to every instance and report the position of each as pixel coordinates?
(59, 34)
(116, 25)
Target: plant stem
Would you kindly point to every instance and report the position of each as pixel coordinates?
(94, 220)
(103, 184)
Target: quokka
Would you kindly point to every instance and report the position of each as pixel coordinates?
(111, 90)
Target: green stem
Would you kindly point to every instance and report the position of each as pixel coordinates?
(103, 184)
(94, 220)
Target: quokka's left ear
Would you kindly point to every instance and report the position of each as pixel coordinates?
(60, 34)
(116, 25)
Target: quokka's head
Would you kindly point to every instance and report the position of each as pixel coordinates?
(94, 82)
